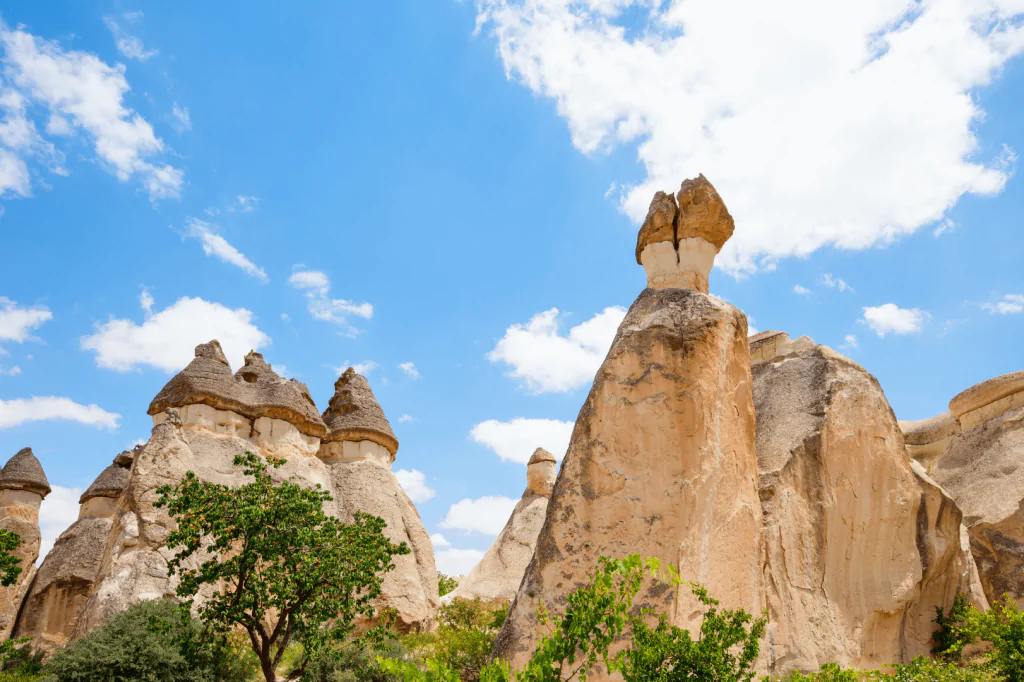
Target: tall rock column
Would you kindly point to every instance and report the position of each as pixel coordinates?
(23, 486)
(661, 461)
(358, 450)
(500, 572)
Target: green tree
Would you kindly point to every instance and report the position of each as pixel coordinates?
(465, 634)
(1003, 626)
(272, 561)
(10, 567)
(953, 633)
(446, 584)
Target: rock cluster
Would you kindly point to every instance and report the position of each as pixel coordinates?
(23, 486)
(498, 575)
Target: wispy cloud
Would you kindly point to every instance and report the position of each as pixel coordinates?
(215, 245)
(127, 44)
(1010, 304)
(53, 408)
(317, 287)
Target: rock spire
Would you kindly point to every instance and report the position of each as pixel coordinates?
(23, 486)
(354, 416)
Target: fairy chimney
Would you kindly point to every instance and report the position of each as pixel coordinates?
(357, 427)
(541, 471)
(23, 486)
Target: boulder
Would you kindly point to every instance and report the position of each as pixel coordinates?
(661, 460)
(23, 486)
(498, 575)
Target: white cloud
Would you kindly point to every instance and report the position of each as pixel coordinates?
(485, 515)
(58, 511)
(83, 92)
(945, 225)
(835, 283)
(363, 368)
(439, 540)
(317, 286)
(801, 290)
(405, 419)
(515, 440)
(216, 245)
(247, 203)
(550, 362)
(12, 372)
(889, 317)
(146, 300)
(17, 322)
(181, 119)
(850, 343)
(286, 318)
(51, 408)
(410, 369)
(457, 562)
(415, 485)
(167, 339)
(1010, 304)
(821, 123)
(128, 45)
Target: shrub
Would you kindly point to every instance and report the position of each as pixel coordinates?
(830, 672)
(1003, 626)
(465, 634)
(953, 633)
(353, 662)
(925, 669)
(446, 584)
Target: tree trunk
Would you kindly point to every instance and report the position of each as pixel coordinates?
(269, 671)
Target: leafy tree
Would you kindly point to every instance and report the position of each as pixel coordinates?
(925, 669)
(953, 633)
(465, 634)
(10, 567)
(1003, 626)
(446, 584)
(274, 563)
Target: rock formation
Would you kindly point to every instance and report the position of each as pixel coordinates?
(70, 570)
(860, 548)
(928, 438)
(498, 575)
(358, 451)
(23, 486)
(661, 460)
(981, 468)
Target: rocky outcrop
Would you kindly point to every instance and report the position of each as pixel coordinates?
(357, 453)
(661, 460)
(498, 575)
(70, 570)
(23, 486)
(859, 546)
(926, 439)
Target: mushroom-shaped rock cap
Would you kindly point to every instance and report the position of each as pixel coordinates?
(355, 414)
(109, 483)
(23, 471)
(660, 223)
(541, 455)
(695, 211)
(986, 392)
(254, 391)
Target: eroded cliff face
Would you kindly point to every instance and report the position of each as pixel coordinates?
(859, 546)
(661, 463)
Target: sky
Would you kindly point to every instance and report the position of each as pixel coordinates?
(446, 195)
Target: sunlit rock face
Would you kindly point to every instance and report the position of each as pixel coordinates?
(23, 486)
(859, 546)
(662, 459)
(500, 572)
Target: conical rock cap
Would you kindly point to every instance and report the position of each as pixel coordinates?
(109, 483)
(23, 471)
(355, 414)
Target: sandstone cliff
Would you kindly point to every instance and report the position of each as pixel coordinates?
(500, 572)
(23, 486)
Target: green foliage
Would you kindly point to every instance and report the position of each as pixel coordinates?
(10, 567)
(953, 633)
(431, 670)
(354, 662)
(446, 584)
(465, 634)
(143, 643)
(924, 669)
(830, 672)
(279, 567)
(1003, 626)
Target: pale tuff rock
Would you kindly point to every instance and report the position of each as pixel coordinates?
(988, 399)
(859, 548)
(253, 392)
(69, 572)
(498, 575)
(928, 438)
(772, 346)
(661, 463)
(23, 486)
(357, 454)
(681, 236)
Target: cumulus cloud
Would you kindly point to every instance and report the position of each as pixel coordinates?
(52, 408)
(321, 306)
(83, 93)
(515, 440)
(410, 370)
(58, 511)
(484, 515)
(550, 362)
(821, 123)
(18, 322)
(457, 562)
(414, 483)
(890, 318)
(215, 245)
(439, 540)
(1010, 304)
(167, 339)
(127, 44)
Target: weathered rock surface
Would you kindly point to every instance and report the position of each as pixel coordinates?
(661, 463)
(23, 486)
(500, 572)
(928, 438)
(859, 546)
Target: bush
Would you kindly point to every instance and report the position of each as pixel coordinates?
(830, 672)
(953, 633)
(446, 584)
(353, 662)
(924, 669)
(465, 634)
(150, 642)
(1003, 626)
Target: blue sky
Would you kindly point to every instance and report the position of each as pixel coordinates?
(336, 184)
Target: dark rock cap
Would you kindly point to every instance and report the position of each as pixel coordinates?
(24, 472)
(355, 414)
(254, 391)
(541, 455)
(109, 483)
